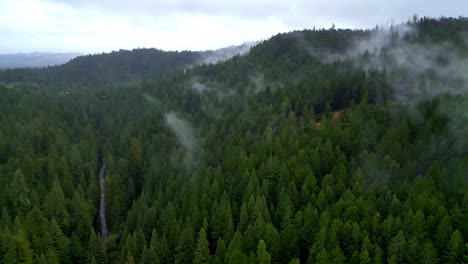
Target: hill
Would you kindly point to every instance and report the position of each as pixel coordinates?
(117, 67)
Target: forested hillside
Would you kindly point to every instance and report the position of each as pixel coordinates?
(117, 67)
(317, 146)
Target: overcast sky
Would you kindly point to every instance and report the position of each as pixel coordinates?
(93, 26)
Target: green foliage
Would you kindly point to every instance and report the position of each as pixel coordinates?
(202, 252)
(18, 251)
(293, 160)
(262, 254)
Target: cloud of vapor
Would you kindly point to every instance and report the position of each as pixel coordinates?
(440, 66)
(183, 130)
(419, 73)
(372, 41)
(223, 54)
(379, 39)
(260, 83)
(151, 100)
(199, 87)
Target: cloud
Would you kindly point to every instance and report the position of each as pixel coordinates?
(199, 87)
(295, 13)
(442, 65)
(182, 129)
(186, 136)
(105, 25)
(223, 54)
(37, 25)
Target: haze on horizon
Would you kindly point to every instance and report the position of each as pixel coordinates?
(88, 26)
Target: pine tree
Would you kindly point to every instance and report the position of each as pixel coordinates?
(81, 220)
(397, 250)
(289, 243)
(130, 259)
(18, 251)
(262, 255)
(148, 256)
(5, 220)
(365, 258)
(52, 257)
(162, 250)
(18, 192)
(455, 249)
(41, 259)
(295, 261)
(443, 233)
(323, 257)
(220, 252)
(185, 247)
(429, 253)
(60, 242)
(234, 252)
(202, 252)
(77, 250)
(95, 249)
(152, 257)
(55, 205)
(4, 240)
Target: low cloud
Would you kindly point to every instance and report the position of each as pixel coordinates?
(199, 87)
(417, 71)
(223, 54)
(185, 135)
(183, 130)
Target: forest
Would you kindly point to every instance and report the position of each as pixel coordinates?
(316, 146)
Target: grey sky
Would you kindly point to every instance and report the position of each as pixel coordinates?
(104, 25)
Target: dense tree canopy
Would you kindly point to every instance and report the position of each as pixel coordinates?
(278, 156)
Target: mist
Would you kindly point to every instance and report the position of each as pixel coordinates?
(220, 55)
(199, 87)
(416, 71)
(183, 130)
(425, 78)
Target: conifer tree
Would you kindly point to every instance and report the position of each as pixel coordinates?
(162, 250)
(202, 251)
(262, 254)
(220, 252)
(19, 192)
(18, 251)
(185, 247)
(397, 250)
(455, 249)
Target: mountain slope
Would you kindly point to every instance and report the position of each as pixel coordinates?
(117, 67)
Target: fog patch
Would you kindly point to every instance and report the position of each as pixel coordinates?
(372, 41)
(184, 133)
(379, 39)
(150, 99)
(259, 83)
(220, 55)
(198, 86)
(416, 71)
(421, 72)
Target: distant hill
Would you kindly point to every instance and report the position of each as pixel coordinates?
(114, 67)
(35, 59)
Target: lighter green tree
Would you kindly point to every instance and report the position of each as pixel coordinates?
(202, 252)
